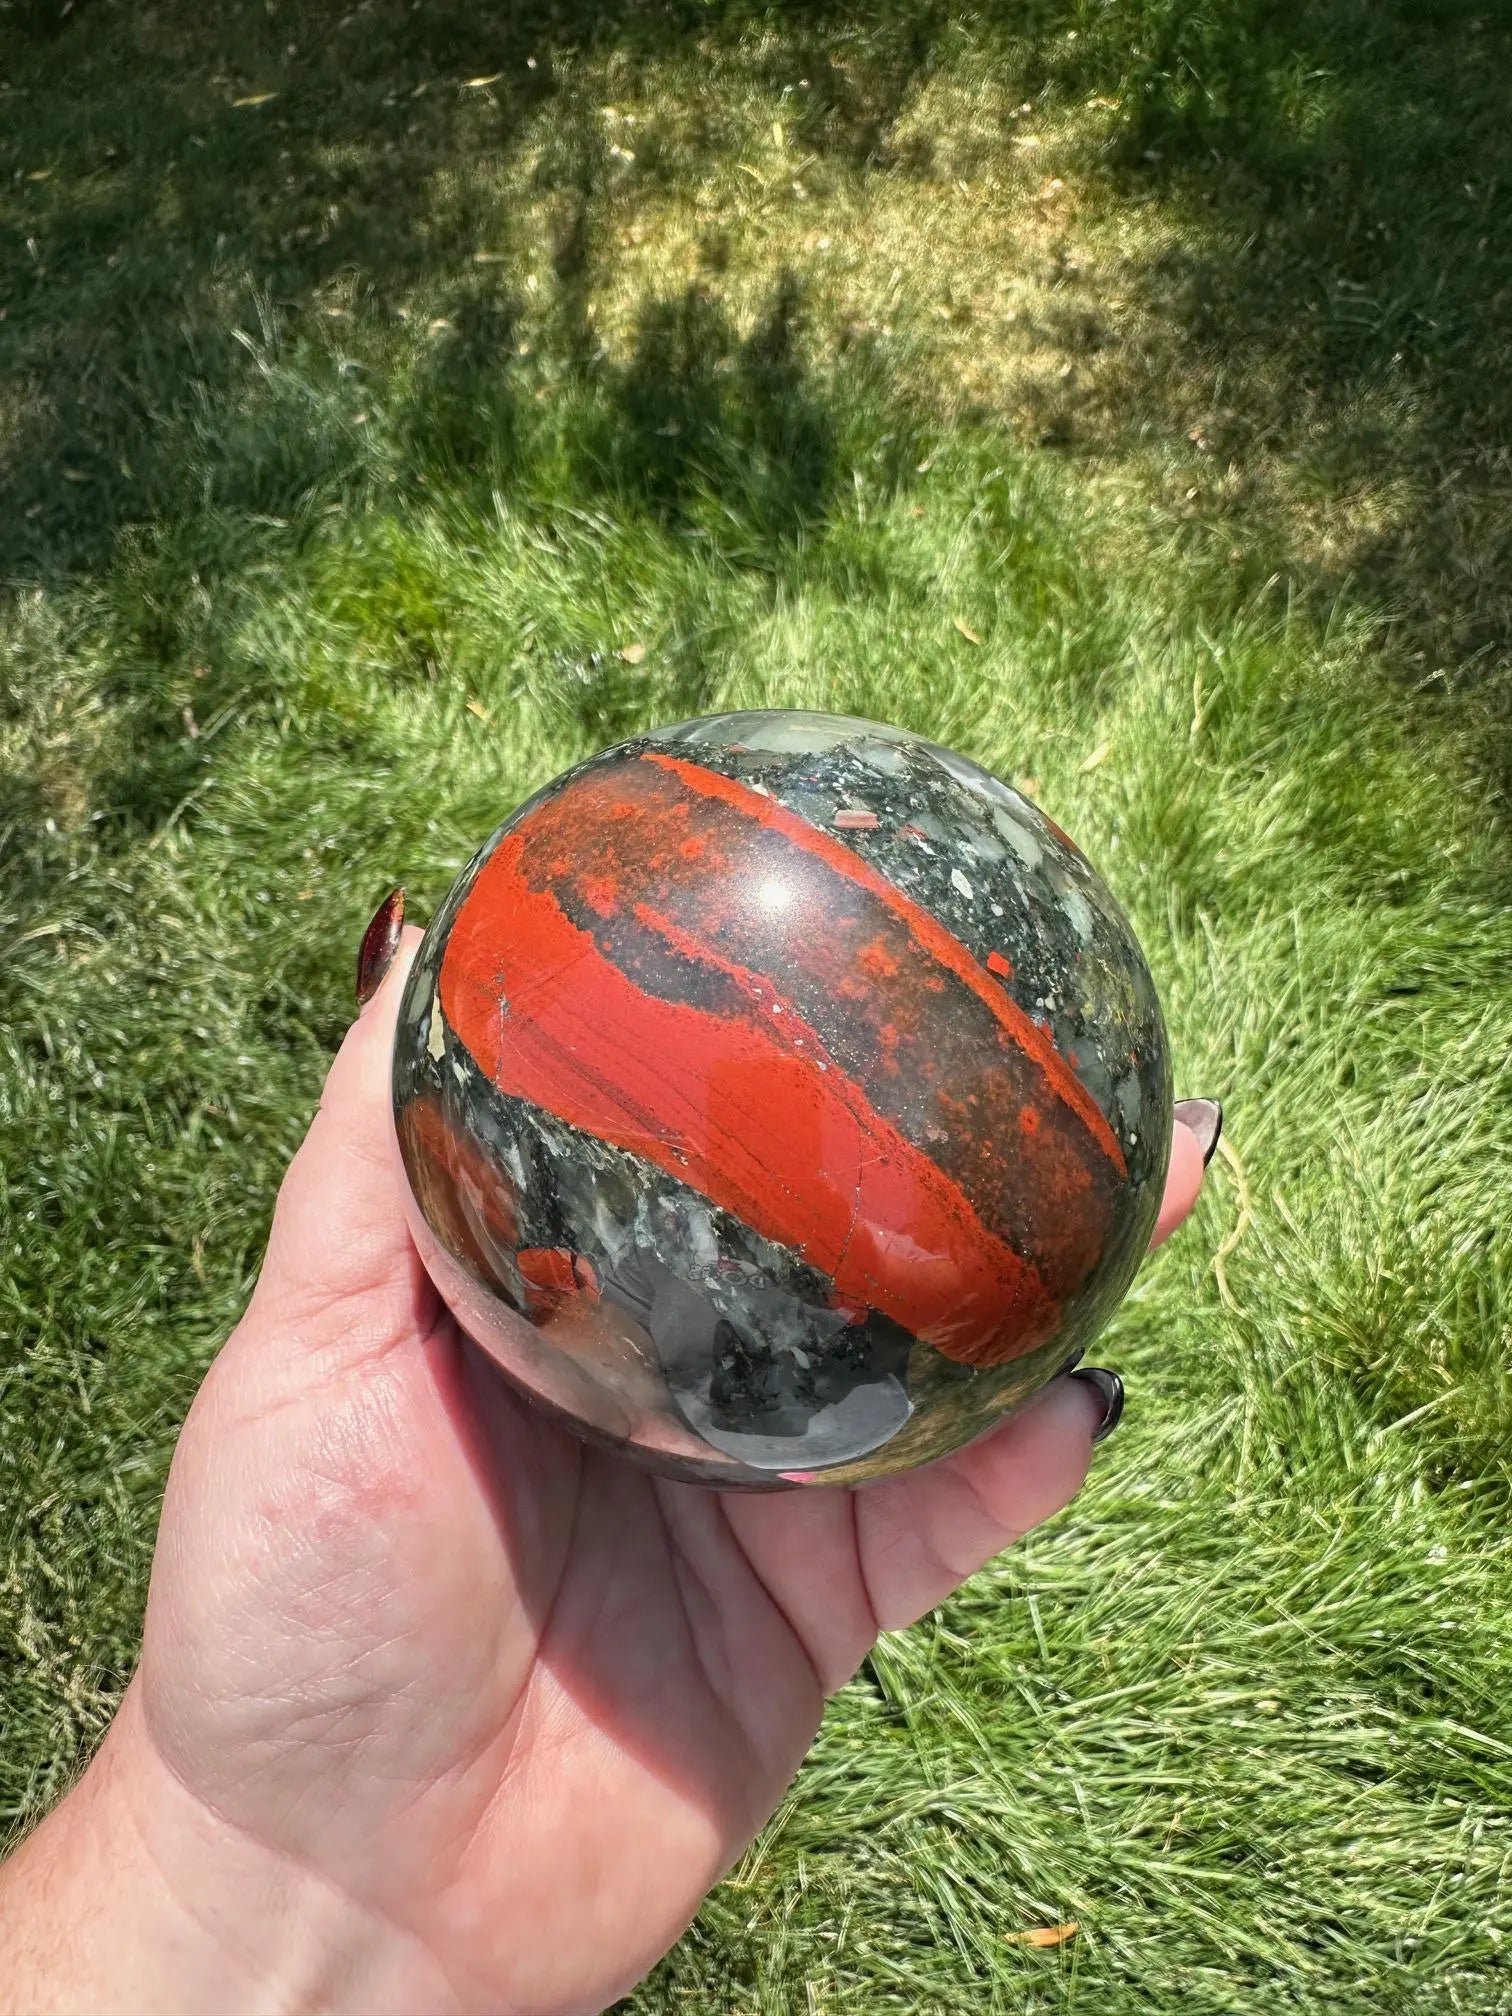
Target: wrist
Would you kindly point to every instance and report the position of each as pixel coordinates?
(132, 1896)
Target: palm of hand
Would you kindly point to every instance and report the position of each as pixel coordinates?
(518, 1702)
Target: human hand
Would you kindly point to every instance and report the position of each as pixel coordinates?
(437, 1707)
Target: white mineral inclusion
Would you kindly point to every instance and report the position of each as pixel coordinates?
(514, 1162)
(1079, 911)
(703, 1241)
(435, 1042)
(1130, 1098)
(981, 783)
(886, 758)
(983, 845)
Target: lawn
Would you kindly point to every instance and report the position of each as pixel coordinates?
(399, 401)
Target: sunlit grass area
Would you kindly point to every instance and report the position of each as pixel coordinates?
(398, 402)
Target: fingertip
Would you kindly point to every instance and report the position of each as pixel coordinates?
(385, 981)
(1066, 1410)
(366, 1047)
(1043, 1451)
(389, 989)
(1204, 1119)
(1108, 1389)
(1183, 1183)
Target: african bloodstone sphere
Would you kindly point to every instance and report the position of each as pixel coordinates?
(784, 1099)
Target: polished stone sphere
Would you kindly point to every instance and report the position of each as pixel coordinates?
(784, 1099)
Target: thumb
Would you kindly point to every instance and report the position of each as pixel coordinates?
(339, 1256)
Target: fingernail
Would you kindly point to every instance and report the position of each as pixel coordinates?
(380, 942)
(1110, 1390)
(1204, 1118)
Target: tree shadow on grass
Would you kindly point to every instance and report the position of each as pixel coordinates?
(698, 415)
(721, 441)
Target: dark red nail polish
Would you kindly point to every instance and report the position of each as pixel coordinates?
(1204, 1118)
(380, 942)
(1109, 1389)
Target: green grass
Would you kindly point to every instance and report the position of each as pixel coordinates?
(347, 439)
